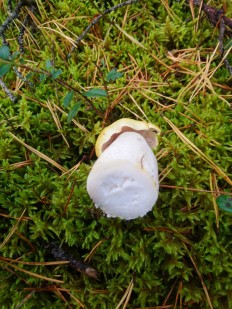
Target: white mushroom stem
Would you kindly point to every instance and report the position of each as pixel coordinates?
(124, 180)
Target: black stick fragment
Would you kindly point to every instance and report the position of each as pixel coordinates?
(14, 14)
(221, 46)
(10, 6)
(21, 34)
(21, 77)
(62, 255)
(217, 18)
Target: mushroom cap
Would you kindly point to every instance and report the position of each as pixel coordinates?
(124, 180)
(109, 134)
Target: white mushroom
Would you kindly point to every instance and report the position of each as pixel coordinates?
(124, 180)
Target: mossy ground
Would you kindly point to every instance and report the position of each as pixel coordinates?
(177, 256)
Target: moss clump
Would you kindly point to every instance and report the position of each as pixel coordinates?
(180, 253)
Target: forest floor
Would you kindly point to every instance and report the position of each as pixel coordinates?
(67, 70)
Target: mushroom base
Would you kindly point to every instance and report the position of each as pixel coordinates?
(127, 193)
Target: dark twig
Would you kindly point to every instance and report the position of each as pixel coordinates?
(27, 21)
(7, 91)
(63, 255)
(22, 32)
(221, 46)
(23, 78)
(221, 35)
(96, 20)
(217, 19)
(9, 5)
(14, 14)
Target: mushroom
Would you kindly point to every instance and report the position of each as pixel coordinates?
(124, 180)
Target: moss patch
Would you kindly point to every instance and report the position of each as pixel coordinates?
(180, 253)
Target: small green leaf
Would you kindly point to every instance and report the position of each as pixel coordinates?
(56, 73)
(42, 78)
(21, 61)
(48, 64)
(68, 98)
(225, 203)
(73, 111)
(4, 52)
(94, 93)
(4, 68)
(113, 75)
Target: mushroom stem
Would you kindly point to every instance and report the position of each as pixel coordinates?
(124, 180)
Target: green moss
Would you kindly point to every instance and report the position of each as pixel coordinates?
(158, 250)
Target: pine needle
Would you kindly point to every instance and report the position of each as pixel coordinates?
(212, 182)
(126, 296)
(39, 154)
(198, 152)
(34, 274)
(56, 119)
(13, 229)
(200, 277)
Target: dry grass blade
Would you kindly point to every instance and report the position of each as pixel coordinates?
(39, 154)
(13, 229)
(169, 10)
(73, 169)
(24, 300)
(17, 165)
(201, 78)
(200, 277)
(90, 255)
(130, 37)
(178, 294)
(137, 105)
(198, 152)
(132, 113)
(158, 307)
(54, 288)
(33, 274)
(126, 296)
(81, 305)
(164, 173)
(212, 182)
(60, 32)
(8, 216)
(169, 293)
(34, 263)
(73, 120)
(56, 119)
